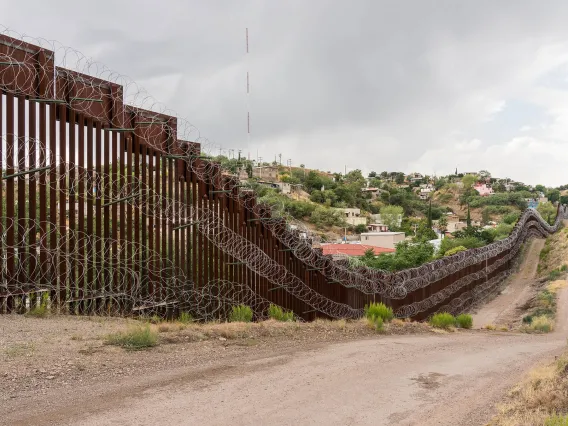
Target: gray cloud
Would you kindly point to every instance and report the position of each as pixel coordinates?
(368, 84)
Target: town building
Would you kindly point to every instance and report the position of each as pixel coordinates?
(266, 172)
(483, 189)
(353, 217)
(382, 239)
(377, 227)
(376, 218)
(414, 177)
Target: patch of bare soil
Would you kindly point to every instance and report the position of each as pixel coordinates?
(41, 354)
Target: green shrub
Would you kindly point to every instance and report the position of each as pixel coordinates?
(326, 217)
(455, 250)
(511, 218)
(543, 311)
(527, 319)
(540, 324)
(464, 321)
(288, 316)
(443, 320)
(556, 420)
(545, 250)
(564, 268)
(467, 242)
(134, 339)
(379, 310)
(240, 313)
(185, 318)
(554, 275)
(546, 298)
(277, 313)
(41, 310)
(379, 324)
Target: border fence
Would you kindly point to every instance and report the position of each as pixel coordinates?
(106, 209)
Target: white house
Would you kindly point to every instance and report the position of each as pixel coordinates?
(353, 217)
(382, 239)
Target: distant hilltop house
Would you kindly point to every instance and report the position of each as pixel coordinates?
(353, 217)
(483, 189)
(266, 172)
(374, 192)
(338, 251)
(414, 177)
(425, 190)
(284, 187)
(454, 223)
(382, 239)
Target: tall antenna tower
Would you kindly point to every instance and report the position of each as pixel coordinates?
(248, 86)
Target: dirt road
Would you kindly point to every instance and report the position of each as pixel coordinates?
(503, 309)
(435, 379)
(450, 379)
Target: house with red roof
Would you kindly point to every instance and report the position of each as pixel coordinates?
(352, 250)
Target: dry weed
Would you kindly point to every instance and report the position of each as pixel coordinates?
(540, 395)
(20, 350)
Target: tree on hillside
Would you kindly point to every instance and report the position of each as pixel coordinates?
(499, 187)
(540, 188)
(384, 175)
(443, 224)
(373, 174)
(390, 216)
(399, 178)
(553, 195)
(468, 181)
(424, 232)
(468, 220)
(430, 214)
(547, 211)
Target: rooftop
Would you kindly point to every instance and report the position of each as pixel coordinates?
(382, 233)
(353, 249)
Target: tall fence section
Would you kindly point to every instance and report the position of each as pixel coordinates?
(105, 209)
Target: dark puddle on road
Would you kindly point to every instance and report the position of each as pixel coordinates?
(428, 381)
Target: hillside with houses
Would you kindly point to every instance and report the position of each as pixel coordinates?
(393, 220)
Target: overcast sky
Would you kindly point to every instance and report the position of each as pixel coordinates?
(377, 85)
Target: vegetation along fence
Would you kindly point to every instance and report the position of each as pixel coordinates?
(110, 208)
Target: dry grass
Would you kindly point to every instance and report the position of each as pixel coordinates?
(542, 394)
(554, 286)
(539, 324)
(174, 332)
(136, 338)
(20, 350)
